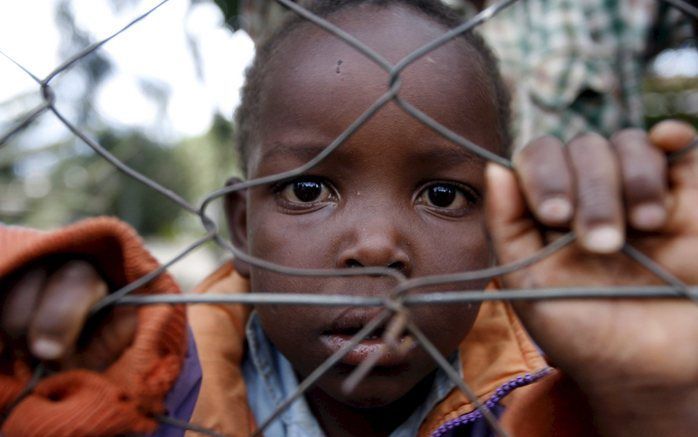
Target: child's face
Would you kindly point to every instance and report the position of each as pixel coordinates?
(395, 194)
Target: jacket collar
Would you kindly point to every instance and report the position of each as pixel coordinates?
(496, 354)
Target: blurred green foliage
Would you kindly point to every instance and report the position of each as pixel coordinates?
(82, 184)
(671, 97)
(231, 12)
(74, 182)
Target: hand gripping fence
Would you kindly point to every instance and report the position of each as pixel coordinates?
(395, 304)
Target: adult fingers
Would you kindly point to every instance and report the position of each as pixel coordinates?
(546, 180)
(674, 136)
(514, 234)
(68, 295)
(599, 219)
(19, 303)
(643, 174)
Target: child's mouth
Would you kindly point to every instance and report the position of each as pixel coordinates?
(373, 344)
(350, 332)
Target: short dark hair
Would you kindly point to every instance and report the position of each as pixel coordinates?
(247, 114)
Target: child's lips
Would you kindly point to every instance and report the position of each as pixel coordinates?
(338, 333)
(373, 344)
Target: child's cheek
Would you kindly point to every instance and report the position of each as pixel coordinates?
(454, 246)
(293, 240)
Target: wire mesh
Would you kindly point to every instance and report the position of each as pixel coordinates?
(396, 304)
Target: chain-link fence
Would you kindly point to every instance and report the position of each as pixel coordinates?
(396, 303)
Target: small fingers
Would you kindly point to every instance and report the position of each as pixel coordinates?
(68, 295)
(546, 180)
(109, 340)
(643, 173)
(20, 301)
(599, 218)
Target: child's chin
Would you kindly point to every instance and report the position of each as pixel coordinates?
(371, 393)
(370, 400)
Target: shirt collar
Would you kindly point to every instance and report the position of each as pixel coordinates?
(270, 380)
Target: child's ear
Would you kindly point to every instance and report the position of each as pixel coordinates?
(236, 215)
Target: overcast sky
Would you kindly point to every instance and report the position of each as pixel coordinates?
(155, 49)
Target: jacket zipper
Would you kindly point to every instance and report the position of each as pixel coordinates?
(498, 395)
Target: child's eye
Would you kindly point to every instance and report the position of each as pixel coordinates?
(450, 198)
(304, 192)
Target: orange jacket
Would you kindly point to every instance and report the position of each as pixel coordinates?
(497, 356)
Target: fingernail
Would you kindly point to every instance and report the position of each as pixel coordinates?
(496, 172)
(603, 239)
(556, 209)
(47, 349)
(648, 216)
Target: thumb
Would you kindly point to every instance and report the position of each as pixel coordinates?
(109, 341)
(511, 226)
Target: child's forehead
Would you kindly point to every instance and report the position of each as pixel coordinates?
(393, 31)
(382, 155)
(313, 67)
(317, 85)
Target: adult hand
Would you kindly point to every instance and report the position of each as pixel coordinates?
(636, 360)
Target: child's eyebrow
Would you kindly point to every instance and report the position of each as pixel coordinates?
(446, 156)
(303, 152)
(433, 155)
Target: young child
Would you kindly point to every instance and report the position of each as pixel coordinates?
(395, 194)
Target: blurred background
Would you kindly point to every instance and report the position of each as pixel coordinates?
(161, 97)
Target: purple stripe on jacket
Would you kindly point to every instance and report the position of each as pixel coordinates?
(180, 401)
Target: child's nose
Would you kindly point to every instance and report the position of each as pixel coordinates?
(376, 247)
